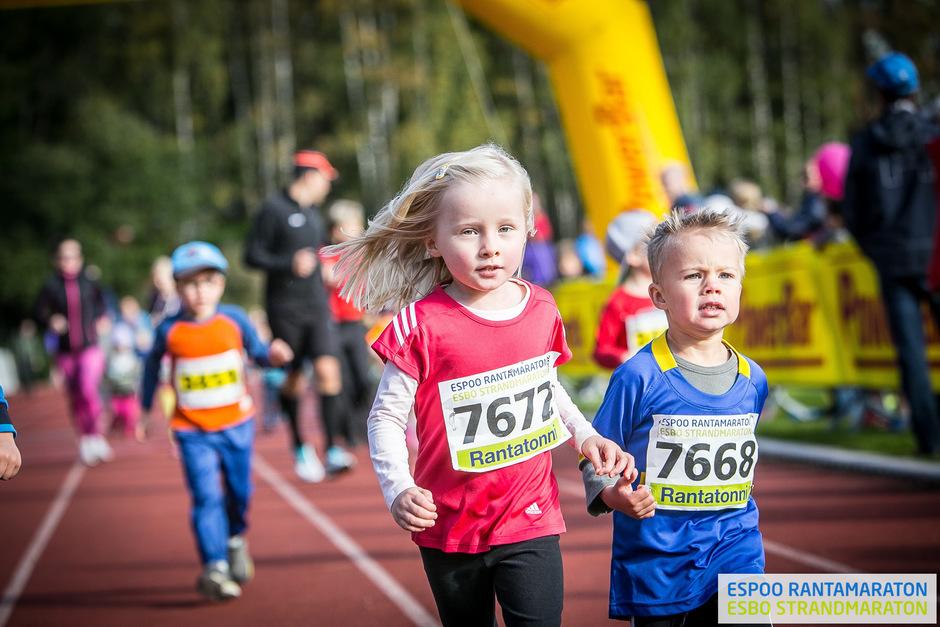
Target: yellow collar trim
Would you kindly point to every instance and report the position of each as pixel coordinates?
(666, 361)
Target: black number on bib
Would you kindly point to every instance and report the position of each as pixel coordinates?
(675, 451)
(547, 405)
(493, 419)
(725, 467)
(747, 454)
(529, 397)
(475, 411)
(697, 469)
(502, 423)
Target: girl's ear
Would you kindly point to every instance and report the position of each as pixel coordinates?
(432, 247)
(656, 295)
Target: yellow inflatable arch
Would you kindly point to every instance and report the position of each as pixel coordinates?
(609, 81)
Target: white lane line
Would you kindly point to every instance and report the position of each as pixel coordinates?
(38, 544)
(369, 567)
(574, 488)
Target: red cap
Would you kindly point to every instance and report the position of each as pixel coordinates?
(316, 160)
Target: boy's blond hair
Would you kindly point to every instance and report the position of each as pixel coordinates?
(344, 211)
(389, 265)
(679, 223)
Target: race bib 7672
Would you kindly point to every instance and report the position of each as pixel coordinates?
(503, 416)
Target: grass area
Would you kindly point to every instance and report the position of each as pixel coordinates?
(588, 393)
(825, 431)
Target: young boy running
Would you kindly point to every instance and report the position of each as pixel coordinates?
(685, 406)
(212, 421)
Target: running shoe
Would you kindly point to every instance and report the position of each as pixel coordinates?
(240, 562)
(339, 460)
(307, 465)
(102, 449)
(87, 450)
(216, 583)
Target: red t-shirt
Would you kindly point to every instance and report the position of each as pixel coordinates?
(493, 379)
(342, 310)
(627, 324)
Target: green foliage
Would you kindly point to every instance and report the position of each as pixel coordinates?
(135, 126)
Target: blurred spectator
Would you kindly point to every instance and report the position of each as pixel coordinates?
(137, 322)
(346, 221)
(29, 354)
(675, 179)
(122, 377)
(569, 264)
(590, 251)
(538, 261)
(823, 180)
(753, 222)
(890, 209)
(629, 320)
(933, 113)
(272, 379)
(164, 301)
(71, 305)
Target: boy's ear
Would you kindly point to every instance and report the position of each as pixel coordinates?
(656, 295)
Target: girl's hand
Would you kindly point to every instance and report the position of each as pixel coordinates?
(622, 497)
(280, 353)
(414, 509)
(607, 458)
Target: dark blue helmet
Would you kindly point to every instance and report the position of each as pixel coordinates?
(192, 257)
(894, 74)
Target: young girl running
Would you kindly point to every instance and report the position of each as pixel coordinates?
(473, 353)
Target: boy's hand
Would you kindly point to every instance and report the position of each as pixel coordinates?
(414, 509)
(280, 353)
(606, 457)
(623, 498)
(10, 460)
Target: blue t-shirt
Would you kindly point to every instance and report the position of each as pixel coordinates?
(5, 425)
(696, 452)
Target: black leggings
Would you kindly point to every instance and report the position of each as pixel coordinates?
(525, 577)
(704, 615)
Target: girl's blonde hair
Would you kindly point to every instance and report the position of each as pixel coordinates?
(389, 266)
(707, 218)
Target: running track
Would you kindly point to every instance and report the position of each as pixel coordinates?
(111, 545)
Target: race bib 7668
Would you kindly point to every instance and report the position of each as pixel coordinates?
(701, 462)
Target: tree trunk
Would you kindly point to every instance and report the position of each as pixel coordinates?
(529, 118)
(762, 139)
(790, 76)
(475, 70)
(286, 140)
(241, 98)
(264, 98)
(182, 98)
(355, 91)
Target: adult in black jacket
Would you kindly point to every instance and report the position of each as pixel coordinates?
(71, 305)
(287, 233)
(889, 208)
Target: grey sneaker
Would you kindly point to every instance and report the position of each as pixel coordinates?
(240, 562)
(216, 583)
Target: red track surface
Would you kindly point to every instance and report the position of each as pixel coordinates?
(123, 554)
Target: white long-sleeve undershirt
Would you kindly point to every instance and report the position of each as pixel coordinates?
(394, 404)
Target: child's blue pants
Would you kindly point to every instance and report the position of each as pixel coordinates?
(217, 465)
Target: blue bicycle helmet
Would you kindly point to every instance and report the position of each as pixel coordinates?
(192, 257)
(894, 74)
